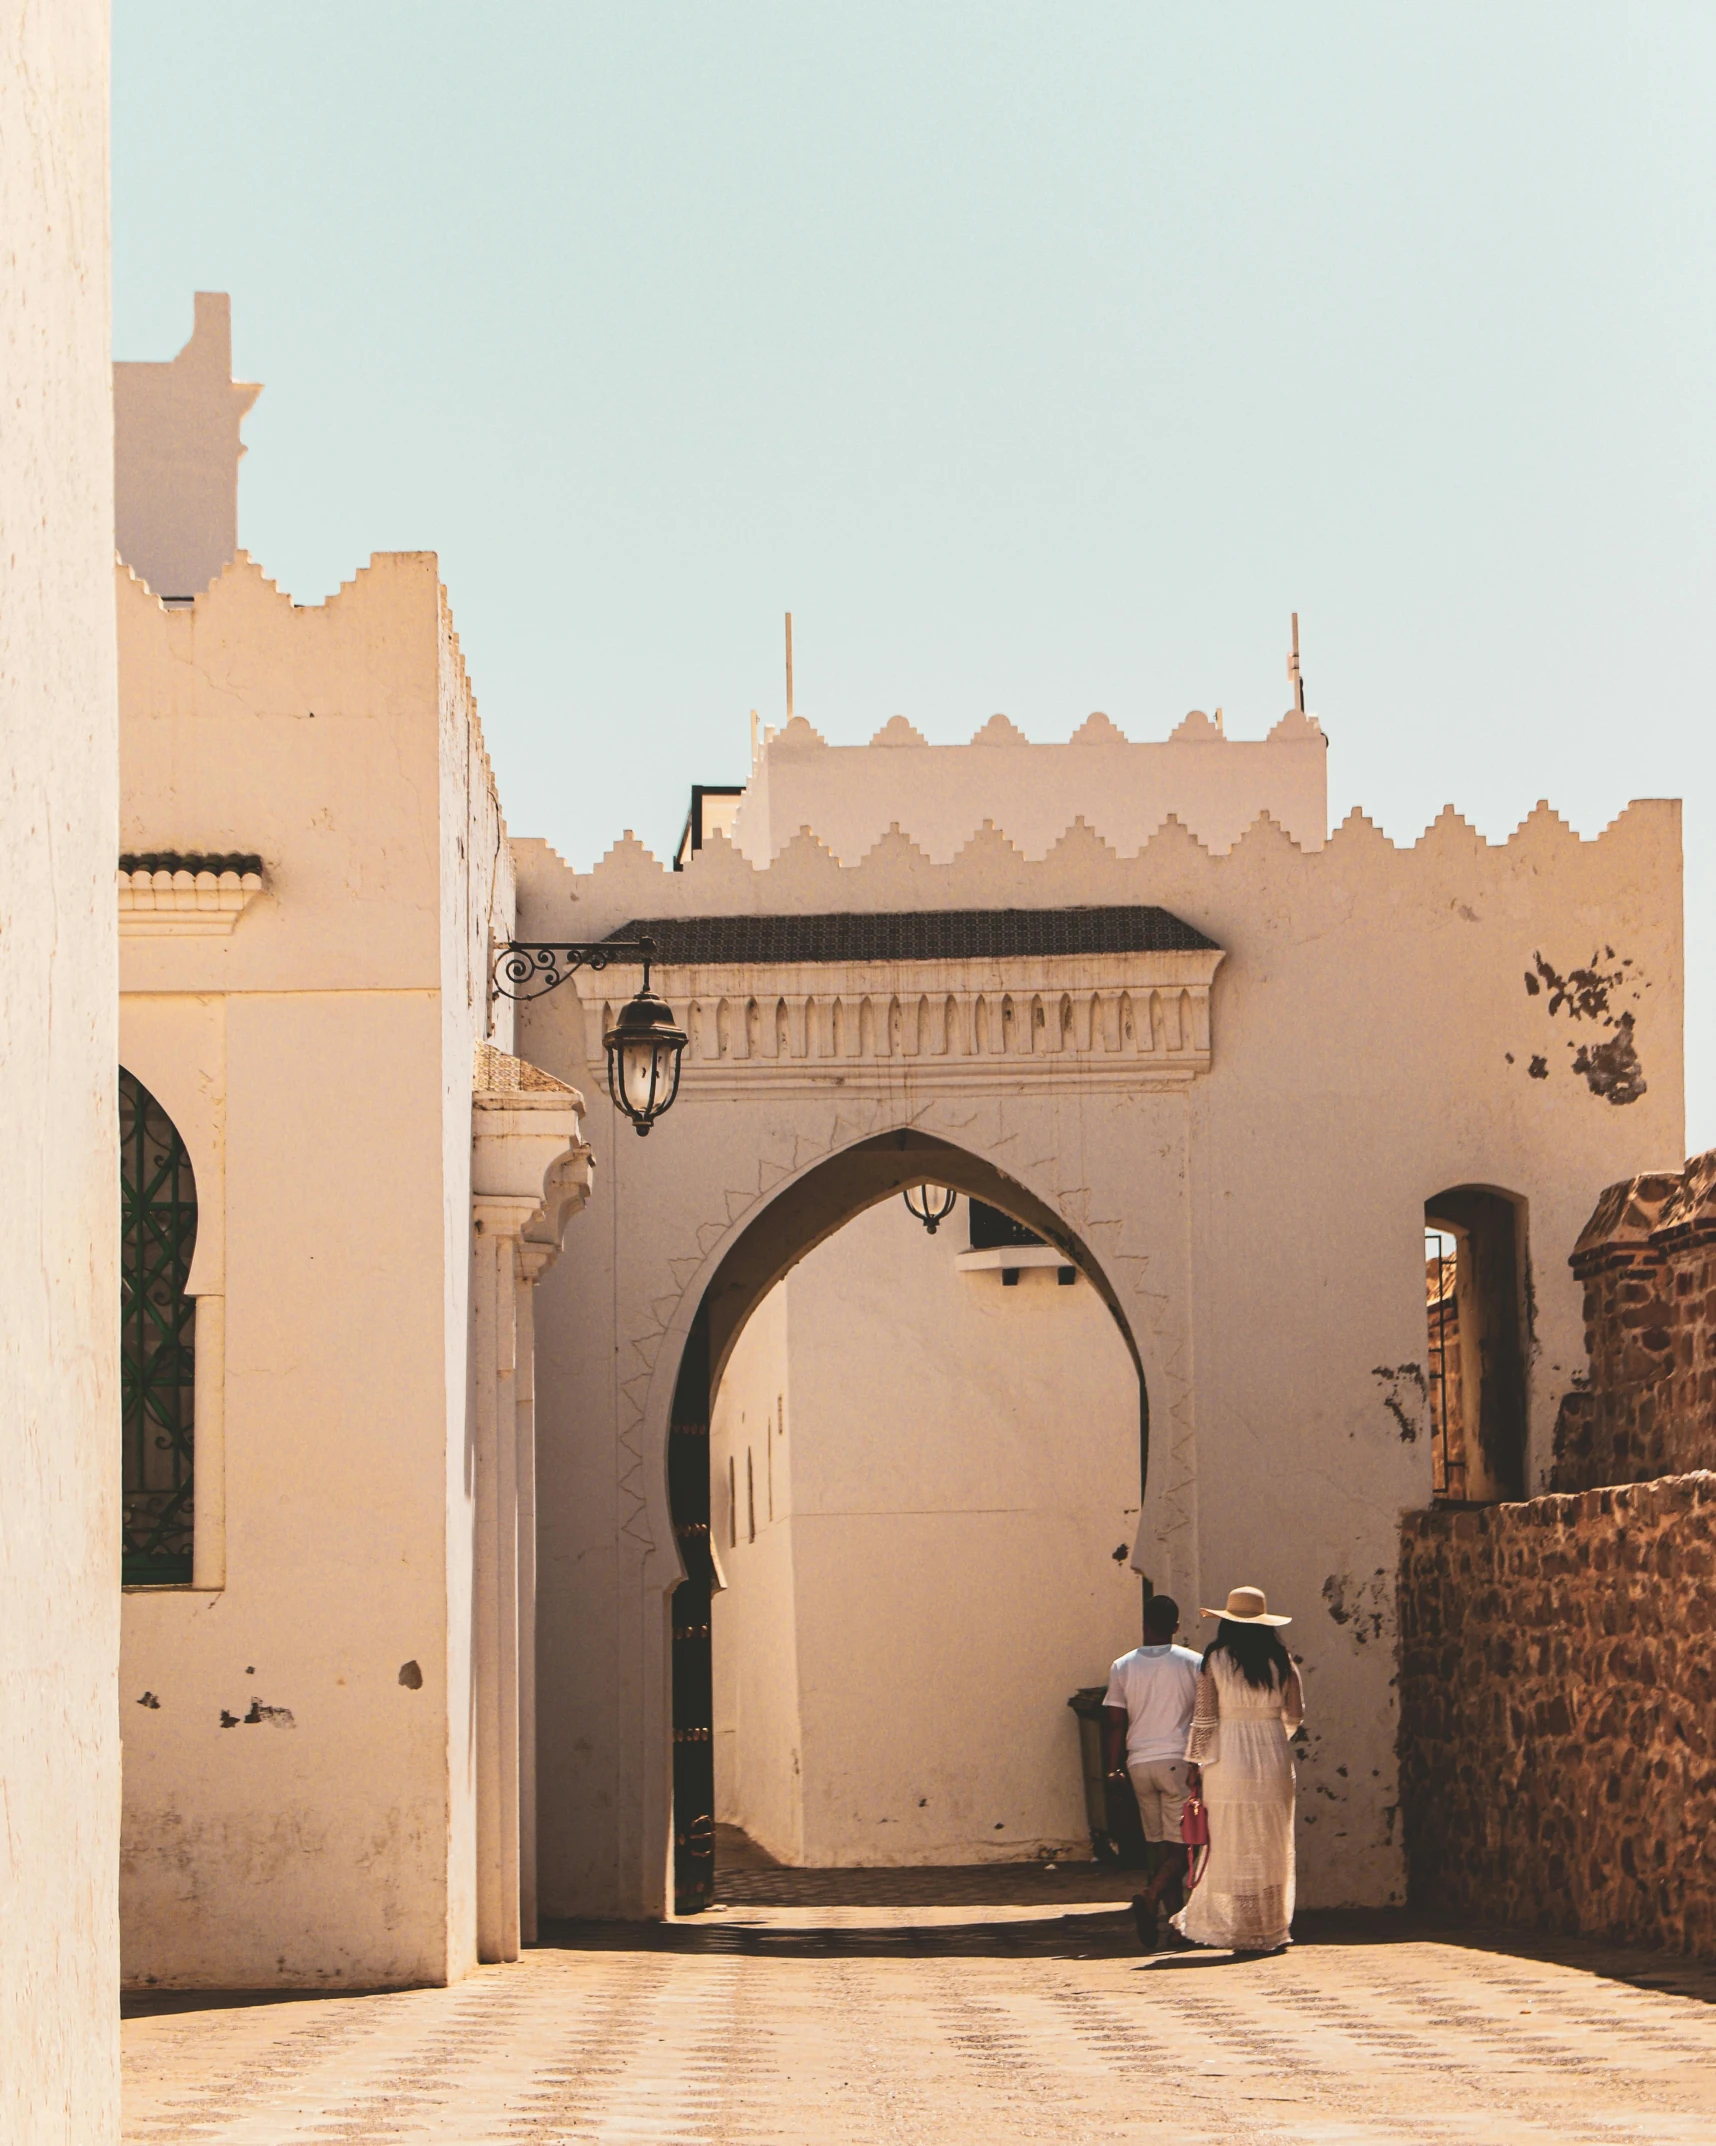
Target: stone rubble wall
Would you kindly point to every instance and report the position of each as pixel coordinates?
(1558, 1712)
(1647, 1259)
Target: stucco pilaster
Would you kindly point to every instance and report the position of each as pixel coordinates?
(530, 1171)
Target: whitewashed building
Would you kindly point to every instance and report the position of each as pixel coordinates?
(340, 1186)
(471, 1583)
(1231, 1082)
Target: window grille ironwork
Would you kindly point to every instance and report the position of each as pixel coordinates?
(158, 1234)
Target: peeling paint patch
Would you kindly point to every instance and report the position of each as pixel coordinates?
(1584, 992)
(278, 1717)
(1363, 1604)
(1406, 1396)
(1612, 1069)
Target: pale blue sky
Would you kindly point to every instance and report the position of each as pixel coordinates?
(1037, 358)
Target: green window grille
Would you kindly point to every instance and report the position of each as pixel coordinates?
(158, 1233)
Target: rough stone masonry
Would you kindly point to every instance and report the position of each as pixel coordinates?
(1647, 1258)
(1558, 1711)
(1558, 1658)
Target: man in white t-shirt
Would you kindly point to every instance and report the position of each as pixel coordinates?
(1146, 1714)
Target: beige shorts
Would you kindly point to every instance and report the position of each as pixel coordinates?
(1161, 1790)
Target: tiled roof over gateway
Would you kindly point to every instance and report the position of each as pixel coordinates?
(174, 860)
(912, 935)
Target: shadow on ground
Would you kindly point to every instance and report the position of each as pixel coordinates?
(1101, 1932)
(767, 1911)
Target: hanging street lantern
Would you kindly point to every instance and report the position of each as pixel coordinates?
(644, 1046)
(930, 1204)
(644, 1049)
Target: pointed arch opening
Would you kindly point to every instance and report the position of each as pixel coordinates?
(858, 1534)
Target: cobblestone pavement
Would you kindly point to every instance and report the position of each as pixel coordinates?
(971, 2008)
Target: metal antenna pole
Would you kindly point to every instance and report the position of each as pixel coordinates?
(1295, 675)
(789, 664)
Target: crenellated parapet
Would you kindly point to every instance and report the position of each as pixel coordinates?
(1451, 936)
(1171, 866)
(337, 746)
(1123, 787)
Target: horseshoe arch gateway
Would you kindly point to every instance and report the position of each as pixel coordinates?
(1040, 1061)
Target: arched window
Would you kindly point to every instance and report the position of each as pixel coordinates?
(1474, 1271)
(158, 1233)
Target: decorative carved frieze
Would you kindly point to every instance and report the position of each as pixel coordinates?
(1108, 1021)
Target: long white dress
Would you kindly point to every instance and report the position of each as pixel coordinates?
(1239, 1737)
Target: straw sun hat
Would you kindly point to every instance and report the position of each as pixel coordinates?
(1246, 1605)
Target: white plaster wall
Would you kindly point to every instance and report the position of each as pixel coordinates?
(941, 794)
(965, 1460)
(59, 1291)
(758, 1743)
(476, 909)
(319, 1062)
(314, 1853)
(1262, 1228)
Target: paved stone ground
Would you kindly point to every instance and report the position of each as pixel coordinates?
(967, 2007)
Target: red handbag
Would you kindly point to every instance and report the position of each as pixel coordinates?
(1195, 1834)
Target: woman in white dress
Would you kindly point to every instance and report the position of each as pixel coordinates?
(1249, 1703)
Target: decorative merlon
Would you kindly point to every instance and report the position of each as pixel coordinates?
(897, 731)
(169, 894)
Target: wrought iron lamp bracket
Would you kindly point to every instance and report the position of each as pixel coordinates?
(644, 1046)
(526, 969)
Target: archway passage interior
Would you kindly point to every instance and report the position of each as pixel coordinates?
(1090, 1583)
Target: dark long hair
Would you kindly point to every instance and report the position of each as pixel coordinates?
(1255, 1651)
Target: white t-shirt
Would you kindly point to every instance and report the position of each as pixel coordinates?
(1158, 1686)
